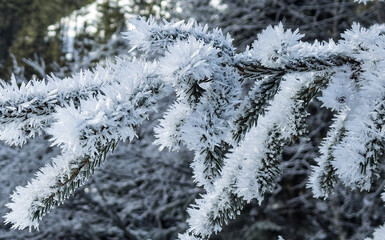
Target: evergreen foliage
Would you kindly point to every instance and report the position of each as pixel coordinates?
(237, 141)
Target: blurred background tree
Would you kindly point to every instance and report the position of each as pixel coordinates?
(142, 193)
(23, 27)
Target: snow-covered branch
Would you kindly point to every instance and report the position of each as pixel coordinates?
(86, 133)
(26, 111)
(254, 163)
(152, 37)
(237, 141)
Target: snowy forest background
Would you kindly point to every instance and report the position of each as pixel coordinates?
(142, 193)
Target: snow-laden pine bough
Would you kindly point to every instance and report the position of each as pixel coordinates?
(237, 140)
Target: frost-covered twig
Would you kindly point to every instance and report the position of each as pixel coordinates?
(254, 163)
(26, 111)
(323, 179)
(156, 38)
(86, 133)
(254, 105)
(208, 91)
(279, 51)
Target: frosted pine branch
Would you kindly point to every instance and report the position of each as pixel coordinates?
(86, 134)
(26, 111)
(277, 51)
(338, 95)
(288, 114)
(211, 89)
(237, 141)
(254, 163)
(254, 105)
(152, 37)
(60, 180)
(323, 179)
